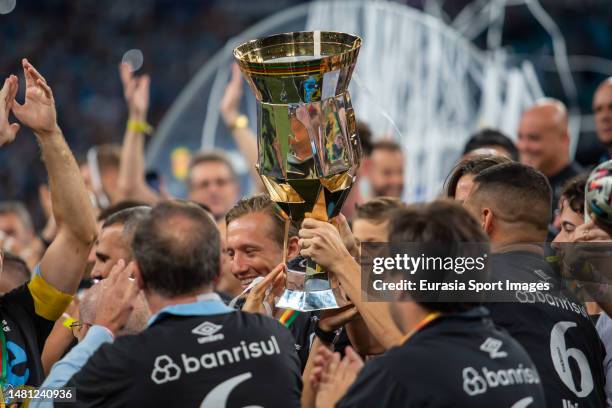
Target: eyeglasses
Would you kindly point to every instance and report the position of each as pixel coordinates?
(76, 326)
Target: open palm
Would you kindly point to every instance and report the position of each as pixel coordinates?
(38, 111)
(8, 131)
(135, 91)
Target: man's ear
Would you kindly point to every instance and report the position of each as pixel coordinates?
(138, 277)
(565, 137)
(487, 220)
(293, 248)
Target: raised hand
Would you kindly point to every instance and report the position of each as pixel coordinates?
(135, 91)
(266, 291)
(346, 234)
(230, 103)
(335, 376)
(116, 299)
(8, 131)
(321, 241)
(38, 111)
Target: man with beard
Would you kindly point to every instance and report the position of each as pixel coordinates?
(475, 354)
(512, 203)
(385, 174)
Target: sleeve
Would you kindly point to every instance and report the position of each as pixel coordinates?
(604, 329)
(73, 361)
(105, 377)
(374, 387)
(302, 331)
(41, 302)
(287, 348)
(49, 303)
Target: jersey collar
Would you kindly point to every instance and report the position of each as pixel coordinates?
(206, 305)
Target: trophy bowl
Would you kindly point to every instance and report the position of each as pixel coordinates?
(308, 147)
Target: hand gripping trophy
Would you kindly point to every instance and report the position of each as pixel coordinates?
(308, 147)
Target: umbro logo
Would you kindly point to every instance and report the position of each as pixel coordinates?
(207, 330)
(542, 275)
(492, 346)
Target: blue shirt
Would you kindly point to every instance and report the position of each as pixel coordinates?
(72, 362)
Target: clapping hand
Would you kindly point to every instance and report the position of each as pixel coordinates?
(331, 377)
(266, 291)
(38, 111)
(8, 131)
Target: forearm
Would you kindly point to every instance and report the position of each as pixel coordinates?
(131, 183)
(58, 341)
(64, 369)
(246, 142)
(361, 339)
(376, 315)
(72, 210)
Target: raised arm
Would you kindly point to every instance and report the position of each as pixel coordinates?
(63, 263)
(244, 138)
(8, 131)
(322, 242)
(131, 183)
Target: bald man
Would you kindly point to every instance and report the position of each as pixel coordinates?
(602, 110)
(543, 143)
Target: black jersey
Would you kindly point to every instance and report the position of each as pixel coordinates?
(27, 315)
(556, 331)
(232, 359)
(303, 330)
(458, 360)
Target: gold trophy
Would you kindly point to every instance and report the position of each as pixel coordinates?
(308, 147)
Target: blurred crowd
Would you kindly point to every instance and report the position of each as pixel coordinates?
(80, 58)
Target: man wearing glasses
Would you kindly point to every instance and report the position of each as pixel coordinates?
(213, 182)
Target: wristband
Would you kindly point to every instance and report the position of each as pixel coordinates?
(240, 122)
(139, 127)
(325, 336)
(68, 320)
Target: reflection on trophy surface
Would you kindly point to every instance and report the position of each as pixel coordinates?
(308, 147)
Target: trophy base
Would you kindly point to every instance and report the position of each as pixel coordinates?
(311, 301)
(309, 289)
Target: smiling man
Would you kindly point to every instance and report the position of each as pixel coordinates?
(255, 238)
(255, 246)
(543, 143)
